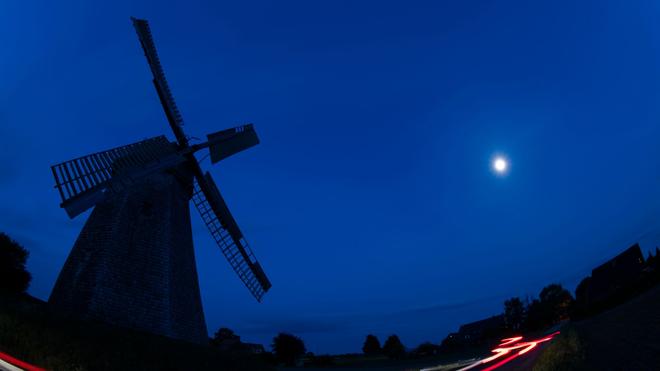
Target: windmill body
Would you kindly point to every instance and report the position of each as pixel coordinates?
(133, 264)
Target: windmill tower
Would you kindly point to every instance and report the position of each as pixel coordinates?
(133, 264)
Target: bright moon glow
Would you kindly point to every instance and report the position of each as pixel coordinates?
(500, 164)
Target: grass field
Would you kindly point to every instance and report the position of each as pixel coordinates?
(30, 331)
(565, 352)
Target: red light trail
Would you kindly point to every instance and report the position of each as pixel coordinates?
(16, 363)
(506, 348)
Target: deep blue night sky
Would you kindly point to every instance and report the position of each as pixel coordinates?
(370, 201)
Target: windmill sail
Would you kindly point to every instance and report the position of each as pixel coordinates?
(206, 197)
(87, 180)
(162, 87)
(228, 142)
(215, 213)
(140, 193)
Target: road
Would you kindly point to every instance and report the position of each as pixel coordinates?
(524, 363)
(515, 353)
(9, 363)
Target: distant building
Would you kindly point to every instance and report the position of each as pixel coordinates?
(619, 273)
(425, 350)
(451, 341)
(478, 331)
(231, 343)
(228, 344)
(253, 348)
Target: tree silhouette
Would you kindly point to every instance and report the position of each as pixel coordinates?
(538, 316)
(393, 347)
(513, 313)
(288, 348)
(225, 337)
(558, 300)
(13, 275)
(371, 345)
(554, 304)
(581, 306)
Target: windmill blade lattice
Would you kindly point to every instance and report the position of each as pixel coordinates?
(85, 181)
(160, 82)
(226, 235)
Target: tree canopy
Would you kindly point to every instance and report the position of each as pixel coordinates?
(393, 347)
(514, 311)
(558, 299)
(554, 304)
(288, 348)
(14, 277)
(371, 345)
(225, 336)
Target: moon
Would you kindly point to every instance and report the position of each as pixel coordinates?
(500, 164)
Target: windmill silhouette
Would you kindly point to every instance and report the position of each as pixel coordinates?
(133, 264)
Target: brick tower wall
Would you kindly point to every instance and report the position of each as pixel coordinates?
(133, 264)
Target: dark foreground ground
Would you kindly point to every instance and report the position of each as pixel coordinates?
(450, 361)
(624, 338)
(30, 331)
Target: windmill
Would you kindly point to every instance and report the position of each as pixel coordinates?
(133, 263)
